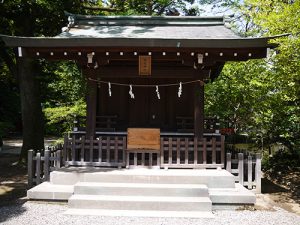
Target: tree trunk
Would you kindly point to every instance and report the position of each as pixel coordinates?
(32, 116)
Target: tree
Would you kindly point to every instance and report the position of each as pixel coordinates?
(143, 7)
(275, 18)
(45, 18)
(31, 18)
(263, 95)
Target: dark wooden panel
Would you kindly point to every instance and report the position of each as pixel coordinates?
(146, 110)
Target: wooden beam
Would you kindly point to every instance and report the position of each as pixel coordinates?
(209, 54)
(157, 72)
(91, 106)
(198, 110)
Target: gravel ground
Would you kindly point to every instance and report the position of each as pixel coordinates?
(43, 213)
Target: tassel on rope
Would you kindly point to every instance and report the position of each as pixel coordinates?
(157, 92)
(180, 90)
(130, 92)
(109, 89)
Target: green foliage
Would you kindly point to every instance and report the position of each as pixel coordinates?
(9, 102)
(261, 97)
(154, 8)
(64, 94)
(60, 119)
(62, 83)
(233, 96)
(282, 161)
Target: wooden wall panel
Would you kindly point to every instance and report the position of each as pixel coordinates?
(146, 110)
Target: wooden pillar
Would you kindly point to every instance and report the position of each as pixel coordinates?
(198, 109)
(91, 106)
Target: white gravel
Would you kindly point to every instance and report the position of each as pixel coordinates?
(31, 213)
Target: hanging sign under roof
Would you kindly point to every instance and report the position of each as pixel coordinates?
(144, 65)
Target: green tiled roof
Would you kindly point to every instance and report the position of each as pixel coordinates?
(142, 31)
(148, 27)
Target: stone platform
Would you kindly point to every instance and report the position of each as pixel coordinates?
(149, 192)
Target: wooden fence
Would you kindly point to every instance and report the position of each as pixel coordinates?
(104, 151)
(247, 170)
(190, 152)
(40, 164)
(176, 152)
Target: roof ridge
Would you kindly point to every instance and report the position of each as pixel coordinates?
(146, 20)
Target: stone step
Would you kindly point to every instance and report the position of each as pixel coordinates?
(211, 178)
(139, 213)
(141, 189)
(48, 191)
(148, 203)
(237, 195)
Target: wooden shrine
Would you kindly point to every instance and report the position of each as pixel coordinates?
(144, 72)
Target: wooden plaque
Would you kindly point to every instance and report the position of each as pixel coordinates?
(143, 138)
(144, 65)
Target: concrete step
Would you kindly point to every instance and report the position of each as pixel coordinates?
(48, 191)
(139, 213)
(141, 189)
(148, 203)
(211, 178)
(237, 195)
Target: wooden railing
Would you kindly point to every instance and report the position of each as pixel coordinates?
(247, 170)
(176, 152)
(186, 152)
(104, 151)
(179, 152)
(40, 164)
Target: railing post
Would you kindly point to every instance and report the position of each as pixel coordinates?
(123, 151)
(222, 149)
(30, 168)
(46, 165)
(161, 151)
(58, 159)
(214, 150)
(258, 173)
(241, 168)
(143, 158)
(195, 151)
(228, 162)
(249, 172)
(204, 150)
(178, 150)
(170, 147)
(82, 151)
(116, 153)
(65, 149)
(108, 149)
(73, 146)
(38, 168)
(91, 148)
(186, 151)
